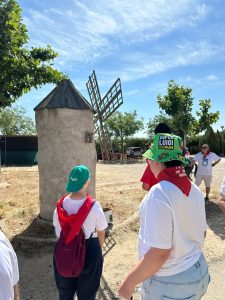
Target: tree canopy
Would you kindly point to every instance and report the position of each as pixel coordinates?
(177, 104)
(177, 111)
(205, 118)
(123, 125)
(21, 68)
(14, 121)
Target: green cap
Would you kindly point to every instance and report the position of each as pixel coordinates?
(77, 178)
(166, 147)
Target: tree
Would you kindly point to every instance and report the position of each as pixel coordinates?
(206, 118)
(123, 125)
(21, 68)
(177, 104)
(176, 108)
(13, 121)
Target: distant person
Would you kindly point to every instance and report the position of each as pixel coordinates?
(148, 179)
(9, 272)
(172, 230)
(222, 196)
(187, 153)
(188, 168)
(80, 224)
(206, 160)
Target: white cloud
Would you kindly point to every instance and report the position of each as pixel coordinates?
(84, 32)
(212, 77)
(140, 65)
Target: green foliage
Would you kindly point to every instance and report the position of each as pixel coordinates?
(176, 112)
(212, 139)
(193, 144)
(177, 104)
(219, 142)
(143, 143)
(206, 118)
(123, 125)
(13, 121)
(21, 68)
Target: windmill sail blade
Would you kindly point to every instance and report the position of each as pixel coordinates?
(111, 101)
(93, 91)
(104, 109)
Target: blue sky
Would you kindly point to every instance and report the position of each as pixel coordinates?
(145, 43)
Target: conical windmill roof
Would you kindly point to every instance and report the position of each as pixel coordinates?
(65, 95)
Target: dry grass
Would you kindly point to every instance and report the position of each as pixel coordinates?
(19, 199)
(118, 187)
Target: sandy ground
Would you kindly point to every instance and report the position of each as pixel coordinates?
(118, 187)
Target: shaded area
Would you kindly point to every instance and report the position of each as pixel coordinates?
(36, 276)
(215, 219)
(38, 236)
(105, 293)
(39, 228)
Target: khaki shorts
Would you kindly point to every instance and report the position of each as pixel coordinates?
(207, 179)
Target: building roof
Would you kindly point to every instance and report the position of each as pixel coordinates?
(65, 95)
(19, 143)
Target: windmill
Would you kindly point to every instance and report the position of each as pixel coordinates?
(104, 108)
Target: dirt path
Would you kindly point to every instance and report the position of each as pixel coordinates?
(118, 187)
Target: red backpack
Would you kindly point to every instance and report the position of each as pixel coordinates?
(70, 249)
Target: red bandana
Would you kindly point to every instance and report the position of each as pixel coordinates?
(204, 155)
(177, 176)
(72, 224)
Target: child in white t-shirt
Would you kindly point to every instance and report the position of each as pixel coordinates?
(9, 272)
(222, 196)
(86, 285)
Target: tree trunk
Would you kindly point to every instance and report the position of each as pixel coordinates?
(185, 139)
(122, 146)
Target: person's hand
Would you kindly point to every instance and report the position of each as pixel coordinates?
(126, 289)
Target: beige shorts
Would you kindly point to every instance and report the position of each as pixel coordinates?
(207, 179)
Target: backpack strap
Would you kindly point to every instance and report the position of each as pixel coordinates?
(93, 202)
(60, 201)
(73, 223)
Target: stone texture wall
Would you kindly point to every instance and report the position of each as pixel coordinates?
(61, 146)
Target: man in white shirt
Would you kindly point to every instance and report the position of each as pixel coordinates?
(9, 273)
(206, 160)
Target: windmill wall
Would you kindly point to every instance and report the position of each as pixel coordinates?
(61, 146)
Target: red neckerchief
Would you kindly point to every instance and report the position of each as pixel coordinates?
(177, 176)
(204, 155)
(72, 224)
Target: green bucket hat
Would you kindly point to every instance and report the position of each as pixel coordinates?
(77, 178)
(166, 147)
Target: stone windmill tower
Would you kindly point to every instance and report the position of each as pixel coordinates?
(64, 121)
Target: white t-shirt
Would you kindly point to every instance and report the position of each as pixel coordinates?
(95, 220)
(222, 191)
(205, 164)
(171, 220)
(9, 272)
